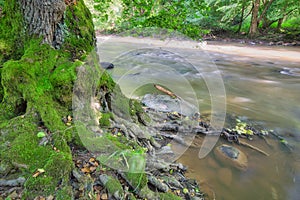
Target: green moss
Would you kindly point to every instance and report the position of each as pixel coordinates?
(1, 88)
(168, 196)
(135, 107)
(137, 180)
(106, 81)
(11, 35)
(138, 113)
(65, 193)
(130, 196)
(104, 120)
(114, 186)
(120, 103)
(123, 143)
(80, 30)
(146, 193)
(62, 80)
(25, 150)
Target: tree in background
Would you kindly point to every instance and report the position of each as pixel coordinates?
(254, 18)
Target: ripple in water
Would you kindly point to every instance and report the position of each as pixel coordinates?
(290, 71)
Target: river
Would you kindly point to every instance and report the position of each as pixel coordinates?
(255, 83)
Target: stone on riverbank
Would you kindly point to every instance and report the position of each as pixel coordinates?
(229, 155)
(107, 65)
(165, 103)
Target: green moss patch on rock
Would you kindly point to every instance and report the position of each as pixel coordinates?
(20, 147)
(113, 186)
(12, 37)
(104, 119)
(137, 180)
(80, 30)
(168, 196)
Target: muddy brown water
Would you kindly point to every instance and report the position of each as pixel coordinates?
(261, 84)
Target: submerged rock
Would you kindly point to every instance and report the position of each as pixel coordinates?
(230, 155)
(165, 103)
(107, 65)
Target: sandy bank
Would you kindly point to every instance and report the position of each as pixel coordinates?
(275, 52)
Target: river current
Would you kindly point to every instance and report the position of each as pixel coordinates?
(257, 84)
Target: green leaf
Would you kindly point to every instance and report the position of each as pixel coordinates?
(185, 191)
(41, 134)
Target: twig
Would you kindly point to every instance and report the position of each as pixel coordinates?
(254, 148)
(164, 90)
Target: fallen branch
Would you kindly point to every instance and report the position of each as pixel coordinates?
(254, 148)
(164, 90)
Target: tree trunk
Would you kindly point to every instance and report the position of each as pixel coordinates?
(36, 90)
(267, 5)
(280, 21)
(242, 17)
(254, 19)
(44, 18)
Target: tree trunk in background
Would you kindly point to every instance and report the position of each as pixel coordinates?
(242, 17)
(254, 19)
(264, 12)
(280, 21)
(44, 18)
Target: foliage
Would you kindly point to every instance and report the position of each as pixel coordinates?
(193, 18)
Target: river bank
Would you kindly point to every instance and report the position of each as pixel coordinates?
(278, 53)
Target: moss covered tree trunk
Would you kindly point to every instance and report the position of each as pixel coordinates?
(42, 42)
(44, 18)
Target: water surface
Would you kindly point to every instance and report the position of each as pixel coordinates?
(261, 87)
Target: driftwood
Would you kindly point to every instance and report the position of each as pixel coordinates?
(164, 90)
(254, 148)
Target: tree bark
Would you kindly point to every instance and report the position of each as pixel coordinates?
(280, 21)
(267, 6)
(254, 19)
(44, 18)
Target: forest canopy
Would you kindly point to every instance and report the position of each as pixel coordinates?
(198, 18)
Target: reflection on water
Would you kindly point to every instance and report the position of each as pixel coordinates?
(264, 91)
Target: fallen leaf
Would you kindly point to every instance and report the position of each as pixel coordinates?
(41, 134)
(38, 172)
(86, 170)
(92, 169)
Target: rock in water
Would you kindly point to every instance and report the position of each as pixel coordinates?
(230, 155)
(165, 103)
(107, 65)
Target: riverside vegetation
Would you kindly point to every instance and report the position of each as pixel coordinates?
(267, 22)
